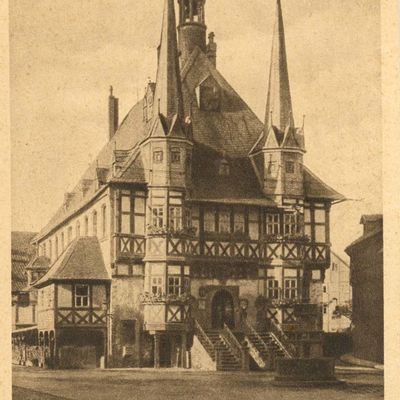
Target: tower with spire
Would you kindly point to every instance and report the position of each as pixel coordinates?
(211, 225)
(283, 143)
(169, 132)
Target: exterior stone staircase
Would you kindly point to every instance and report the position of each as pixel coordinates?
(223, 348)
(226, 359)
(266, 347)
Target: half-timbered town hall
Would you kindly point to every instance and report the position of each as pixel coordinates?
(197, 238)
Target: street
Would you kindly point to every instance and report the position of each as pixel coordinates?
(39, 384)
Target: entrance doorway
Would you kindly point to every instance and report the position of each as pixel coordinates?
(222, 310)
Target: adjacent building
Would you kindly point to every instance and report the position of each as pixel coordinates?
(366, 277)
(197, 237)
(23, 308)
(337, 296)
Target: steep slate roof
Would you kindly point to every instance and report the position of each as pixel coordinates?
(132, 130)
(239, 187)
(82, 260)
(39, 263)
(21, 253)
(235, 128)
(232, 131)
(316, 188)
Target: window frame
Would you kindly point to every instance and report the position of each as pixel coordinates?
(290, 167)
(290, 291)
(175, 155)
(273, 223)
(94, 223)
(175, 217)
(82, 297)
(158, 156)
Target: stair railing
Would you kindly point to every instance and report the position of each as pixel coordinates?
(282, 340)
(204, 337)
(249, 329)
(238, 350)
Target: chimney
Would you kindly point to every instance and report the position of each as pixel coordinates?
(372, 223)
(112, 114)
(212, 49)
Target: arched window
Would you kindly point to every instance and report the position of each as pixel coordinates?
(78, 229)
(94, 223)
(86, 226)
(69, 234)
(50, 250)
(104, 220)
(62, 242)
(56, 247)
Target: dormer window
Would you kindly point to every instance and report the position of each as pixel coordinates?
(209, 95)
(157, 156)
(289, 167)
(224, 168)
(175, 156)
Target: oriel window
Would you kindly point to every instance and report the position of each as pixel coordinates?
(81, 296)
(103, 221)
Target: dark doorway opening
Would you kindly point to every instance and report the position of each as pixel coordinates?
(222, 310)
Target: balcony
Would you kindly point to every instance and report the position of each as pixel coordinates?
(226, 247)
(163, 313)
(251, 250)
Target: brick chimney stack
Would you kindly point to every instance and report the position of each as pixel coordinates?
(112, 114)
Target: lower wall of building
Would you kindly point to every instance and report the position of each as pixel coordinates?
(201, 360)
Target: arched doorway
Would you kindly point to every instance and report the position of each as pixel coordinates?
(222, 310)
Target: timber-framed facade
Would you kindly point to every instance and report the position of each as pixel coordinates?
(198, 237)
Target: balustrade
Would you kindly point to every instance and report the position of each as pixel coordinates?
(70, 316)
(131, 246)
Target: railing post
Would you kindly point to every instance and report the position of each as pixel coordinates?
(245, 358)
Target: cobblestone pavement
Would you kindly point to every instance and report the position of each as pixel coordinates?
(37, 384)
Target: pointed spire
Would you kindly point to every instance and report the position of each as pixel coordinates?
(168, 92)
(279, 103)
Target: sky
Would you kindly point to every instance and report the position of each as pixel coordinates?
(65, 54)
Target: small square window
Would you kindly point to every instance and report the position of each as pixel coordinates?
(175, 156)
(158, 156)
(290, 167)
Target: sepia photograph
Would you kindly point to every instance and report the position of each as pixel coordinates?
(196, 199)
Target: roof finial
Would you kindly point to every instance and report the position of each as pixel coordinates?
(304, 119)
(111, 90)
